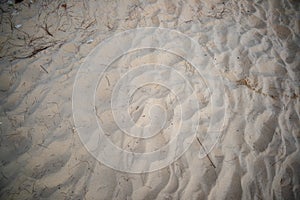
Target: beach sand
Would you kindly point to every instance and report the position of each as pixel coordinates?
(254, 46)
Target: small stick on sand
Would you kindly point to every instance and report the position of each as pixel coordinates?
(107, 80)
(43, 68)
(36, 51)
(46, 29)
(206, 153)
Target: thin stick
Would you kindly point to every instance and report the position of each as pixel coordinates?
(36, 51)
(206, 153)
(44, 69)
(107, 80)
(47, 30)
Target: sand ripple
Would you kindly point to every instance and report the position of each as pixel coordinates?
(254, 45)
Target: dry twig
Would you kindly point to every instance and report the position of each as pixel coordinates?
(206, 153)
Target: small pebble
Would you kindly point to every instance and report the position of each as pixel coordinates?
(18, 26)
(89, 41)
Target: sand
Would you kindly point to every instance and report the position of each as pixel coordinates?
(253, 46)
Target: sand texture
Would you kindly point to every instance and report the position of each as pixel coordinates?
(254, 48)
